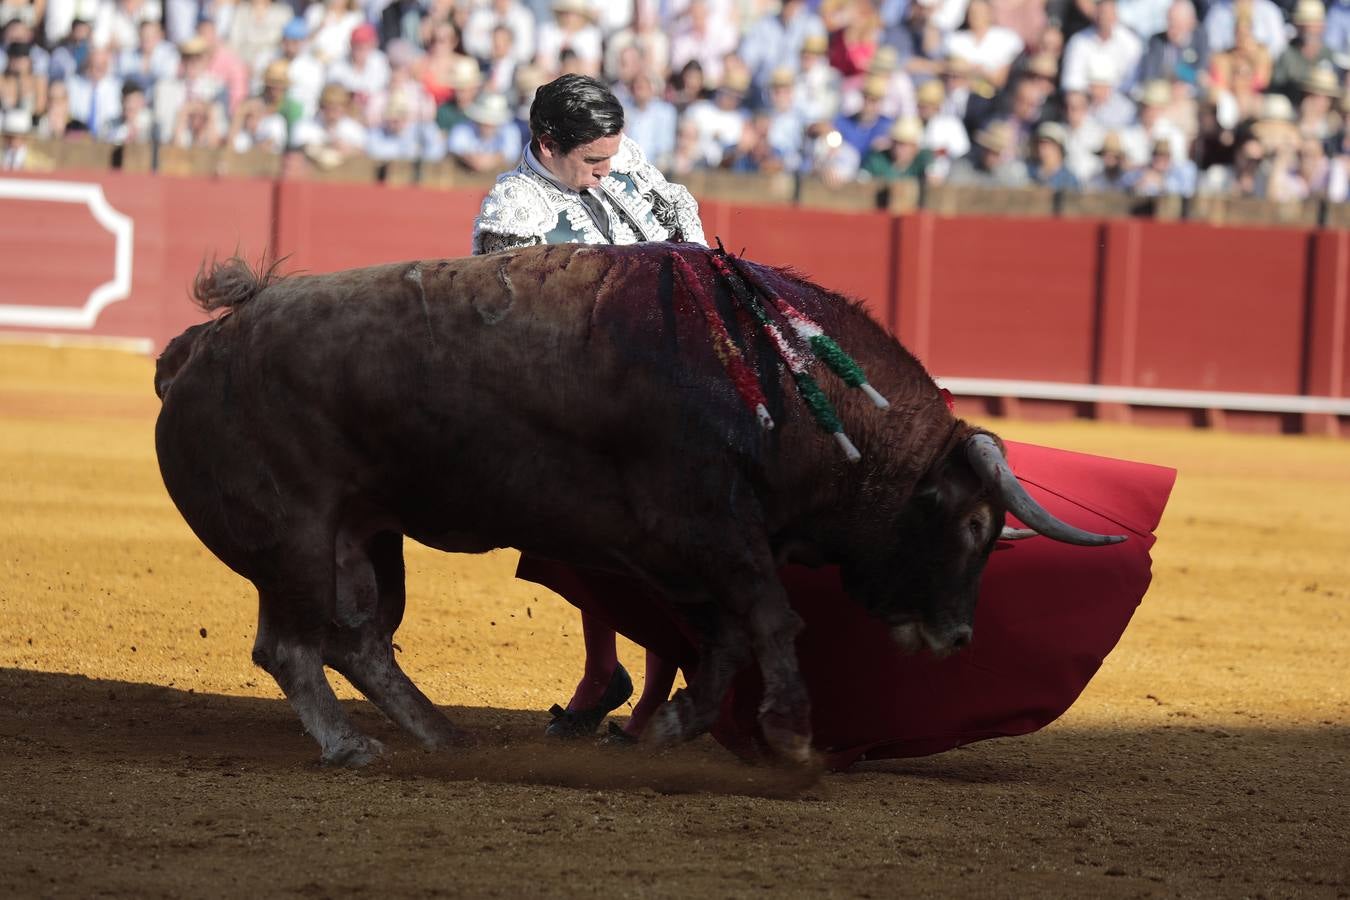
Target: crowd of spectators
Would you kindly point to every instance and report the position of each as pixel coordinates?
(1231, 97)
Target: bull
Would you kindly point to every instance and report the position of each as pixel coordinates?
(566, 401)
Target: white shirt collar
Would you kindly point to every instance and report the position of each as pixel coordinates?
(538, 168)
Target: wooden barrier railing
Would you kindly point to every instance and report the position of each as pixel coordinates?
(782, 188)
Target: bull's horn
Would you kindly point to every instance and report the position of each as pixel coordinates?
(1016, 534)
(993, 469)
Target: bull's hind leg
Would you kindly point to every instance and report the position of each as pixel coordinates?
(288, 649)
(370, 602)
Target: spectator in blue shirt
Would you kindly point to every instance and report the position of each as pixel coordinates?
(483, 143)
(1163, 174)
(650, 121)
(867, 128)
(776, 40)
(1048, 170)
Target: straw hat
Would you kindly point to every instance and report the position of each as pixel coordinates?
(1156, 93)
(334, 94)
(816, 43)
(580, 7)
(1044, 65)
(1053, 132)
(1322, 81)
(886, 59)
(781, 77)
(1111, 144)
(277, 74)
(465, 73)
(1309, 12)
(931, 93)
(908, 130)
(489, 109)
(875, 86)
(736, 81)
(193, 46)
(1276, 108)
(995, 136)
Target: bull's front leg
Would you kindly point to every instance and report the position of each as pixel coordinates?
(785, 710)
(751, 615)
(724, 649)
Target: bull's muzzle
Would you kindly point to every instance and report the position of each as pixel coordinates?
(915, 637)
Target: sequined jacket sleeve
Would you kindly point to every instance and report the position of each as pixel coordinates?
(515, 213)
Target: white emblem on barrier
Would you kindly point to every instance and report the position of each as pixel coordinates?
(119, 224)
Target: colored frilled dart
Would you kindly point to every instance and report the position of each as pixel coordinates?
(825, 348)
(733, 361)
(822, 345)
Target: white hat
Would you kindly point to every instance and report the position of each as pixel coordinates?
(16, 121)
(1101, 70)
(489, 109)
(1276, 108)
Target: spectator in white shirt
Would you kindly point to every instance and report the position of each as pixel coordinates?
(305, 72)
(573, 28)
(255, 31)
(990, 49)
(331, 24)
(720, 121)
(365, 71)
(333, 135)
(484, 19)
(152, 60)
(1153, 126)
(95, 93)
(117, 24)
(1107, 39)
(697, 39)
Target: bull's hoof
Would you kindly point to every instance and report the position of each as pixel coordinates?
(353, 752)
(665, 727)
(788, 742)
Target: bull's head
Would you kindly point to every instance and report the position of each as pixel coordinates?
(931, 582)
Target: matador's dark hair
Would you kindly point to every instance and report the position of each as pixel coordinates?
(574, 110)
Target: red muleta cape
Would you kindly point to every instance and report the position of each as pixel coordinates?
(1048, 615)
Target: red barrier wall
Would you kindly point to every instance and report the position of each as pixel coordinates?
(999, 298)
(1238, 293)
(327, 227)
(53, 254)
(1132, 303)
(847, 252)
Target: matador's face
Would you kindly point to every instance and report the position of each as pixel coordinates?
(584, 165)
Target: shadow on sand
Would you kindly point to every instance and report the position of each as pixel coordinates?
(98, 720)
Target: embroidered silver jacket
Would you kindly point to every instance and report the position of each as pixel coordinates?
(527, 206)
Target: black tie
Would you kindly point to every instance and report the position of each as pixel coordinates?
(598, 214)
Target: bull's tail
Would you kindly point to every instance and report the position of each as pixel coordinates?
(231, 283)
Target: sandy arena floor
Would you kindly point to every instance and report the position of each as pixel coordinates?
(141, 754)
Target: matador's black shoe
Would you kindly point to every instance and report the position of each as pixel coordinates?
(575, 723)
